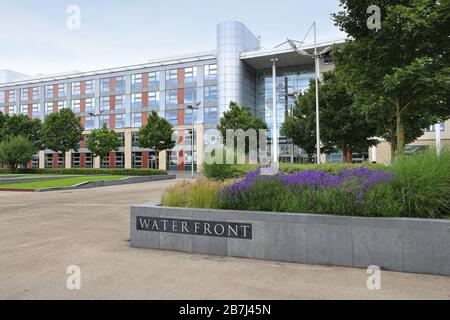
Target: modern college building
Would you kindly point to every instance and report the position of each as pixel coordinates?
(238, 70)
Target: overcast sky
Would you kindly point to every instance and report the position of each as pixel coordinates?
(35, 38)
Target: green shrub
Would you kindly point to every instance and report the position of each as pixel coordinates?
(235, 171)
(89, 171)
(424, 183)
(15, 151)
(200, 193)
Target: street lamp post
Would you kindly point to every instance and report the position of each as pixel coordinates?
(193, 108)
(274, 111)
(316, 56)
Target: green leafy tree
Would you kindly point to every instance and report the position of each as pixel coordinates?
(22, 125)
(239, 118)
(156, 134)
(2, 123)
(62, 131)
(343, 126)
(400, 73)
(15, 151)
(103, 141)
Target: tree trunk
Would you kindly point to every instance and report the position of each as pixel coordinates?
(347, 156)
(400, 130)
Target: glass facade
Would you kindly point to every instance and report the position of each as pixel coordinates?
(290, 83)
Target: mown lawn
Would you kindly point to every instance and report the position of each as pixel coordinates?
(58, 183)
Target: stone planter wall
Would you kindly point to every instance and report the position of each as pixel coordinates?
(397, 244)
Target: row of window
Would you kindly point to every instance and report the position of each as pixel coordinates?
(190, 97)
(107, 85)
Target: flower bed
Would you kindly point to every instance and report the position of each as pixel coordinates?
(359, 191)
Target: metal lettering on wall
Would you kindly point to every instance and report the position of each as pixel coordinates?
(194, 227)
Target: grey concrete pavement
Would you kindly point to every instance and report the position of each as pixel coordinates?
(42, 234)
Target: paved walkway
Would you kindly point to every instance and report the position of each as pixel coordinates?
(41, 234)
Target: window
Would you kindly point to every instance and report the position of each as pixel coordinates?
(35, 94)
(49, 160)
(89, 123)
(211, 115)
(61, 90)
(24, 94)
(88, 162)
(134, 139)
(210, 72)
(49, 92)
(211, 94)
(2, 96)
(190, 74)
(136, 81)
(61, 105)
(433, 127)
(120, 104)
(12, 110)
(90, 104)
(105, 103)
(188, 116)
(89, 86)
(36, 109)
(76, 106)
(105, 162)
(35, 161)
(76, 88)
(153, 78)
(327, 59)
(12, 96)
(172, 116)
(48, 108)
(121, 137)
(172, 97)
(105, 85)
(119, 160)
(24, 109)
(120, 84)
(153, 99)
(104, 120)
(136, 119)
(190, 95)
(136, 100)
(172, 76)
(137, 159)
(75, 160)
(120, 121)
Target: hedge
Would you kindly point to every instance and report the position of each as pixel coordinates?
(89, 171)
(233, 171)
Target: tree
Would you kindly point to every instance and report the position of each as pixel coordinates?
(400, 73)
(239, 118)
(62, 131)
(22, 125)
(103, 141)
(156, 134)
(16, 150)
(2, 123)
(343, 126)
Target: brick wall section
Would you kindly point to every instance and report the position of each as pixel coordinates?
(145, 159)
(181, 165)
(112, 104)
(6, 101)
(82, 160)
(112, 160)
(55, 160)
(55, 98)
(30, 105)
